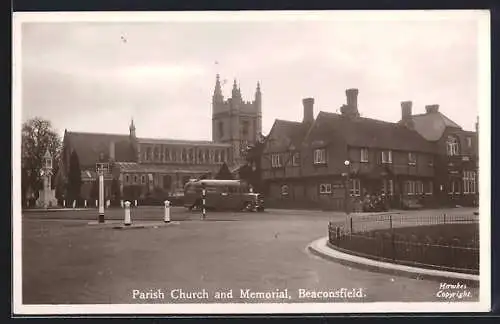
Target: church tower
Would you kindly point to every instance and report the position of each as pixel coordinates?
(236, 121)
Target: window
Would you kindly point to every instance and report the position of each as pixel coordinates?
(143, 179)
(135, 179)
(469, 182)
(296, 159)
(386, 156)
(355, 187)
(217, 156)
(127, 179)
(167, 154)
(284, 190)
(429, 188)
(320, 156)
(364, 155)
(452, 146)
(156, 154)
(388, 187)
(419, 187)
(325, 188)
(454, 187)
(412, 158)
(410, 187)
(149, 156)
(469, 142)
(223, 156)
(276, 160)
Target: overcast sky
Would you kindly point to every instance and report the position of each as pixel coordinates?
(86, 77)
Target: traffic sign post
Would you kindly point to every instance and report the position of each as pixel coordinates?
(101, 168)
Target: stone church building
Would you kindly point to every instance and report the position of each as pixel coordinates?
(149, 165)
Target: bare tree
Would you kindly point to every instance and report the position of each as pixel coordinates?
(37, 136)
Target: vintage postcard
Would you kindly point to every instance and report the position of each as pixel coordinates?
(251, 162)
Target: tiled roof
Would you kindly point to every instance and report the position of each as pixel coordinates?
(89, 146)
(285, 134)
(366, 132)
(165, 168)
(180, 142)
(432, 125)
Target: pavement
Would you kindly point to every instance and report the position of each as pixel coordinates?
(67, 261)
(320, 247)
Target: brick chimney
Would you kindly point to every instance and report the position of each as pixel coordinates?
(308, 104)
(351, 108)
(432, 109)
(406, 118)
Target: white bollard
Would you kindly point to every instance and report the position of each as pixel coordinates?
(167, 211)
(85, 203)
(136, 203)
(121, 203)
(74, 204)
(128, 220)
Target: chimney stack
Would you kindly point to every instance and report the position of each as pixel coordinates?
(308, 104)
(351, 108)
(405, 109)
(432, 109)
(406, 113)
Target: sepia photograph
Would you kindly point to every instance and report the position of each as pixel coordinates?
(260, 162)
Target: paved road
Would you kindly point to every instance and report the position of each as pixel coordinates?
(67, 261)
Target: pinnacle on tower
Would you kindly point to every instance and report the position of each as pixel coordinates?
(217, 97)
(235, 92)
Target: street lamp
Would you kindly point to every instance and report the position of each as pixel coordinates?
(347, 163)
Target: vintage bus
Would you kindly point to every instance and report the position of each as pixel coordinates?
(222, 195)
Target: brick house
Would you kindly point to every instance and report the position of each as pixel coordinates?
(457, 158)
(303, 163)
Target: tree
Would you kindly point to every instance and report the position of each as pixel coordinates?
(37, 136)
(224, 173)
(115, 189)
(94, 190)
(74, 177)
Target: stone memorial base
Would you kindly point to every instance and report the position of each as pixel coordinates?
(46, 199)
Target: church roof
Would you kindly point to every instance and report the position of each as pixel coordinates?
(90, 146)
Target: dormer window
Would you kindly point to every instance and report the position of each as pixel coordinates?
(364, 155)
(386, 156)
(452, 147)
(412, 158)
(320, 156)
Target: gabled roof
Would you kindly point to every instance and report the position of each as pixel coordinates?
(367, 132)
(432, 125)
(89, 146)
(285, 134)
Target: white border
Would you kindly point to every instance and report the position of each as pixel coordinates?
(484, 89)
